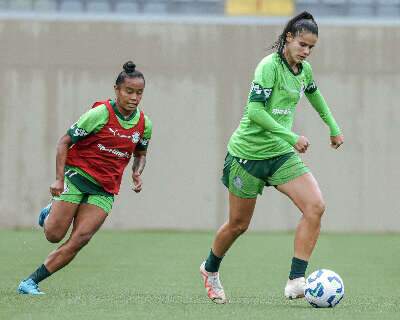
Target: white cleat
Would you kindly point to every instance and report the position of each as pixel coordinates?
(295, 288)
(213, 285)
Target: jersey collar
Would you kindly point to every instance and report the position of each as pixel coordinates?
(119, 114)
(299, 65)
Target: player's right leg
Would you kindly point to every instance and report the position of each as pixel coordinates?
(58, 222)
(240, 213)
(243, 190)
(44, 213)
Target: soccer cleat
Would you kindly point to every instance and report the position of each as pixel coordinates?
(213, 285)
(29, 286)
(44, 214)
(295, 288)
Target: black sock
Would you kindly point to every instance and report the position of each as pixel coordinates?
(212, 262)
(298, 268)
(40, 274)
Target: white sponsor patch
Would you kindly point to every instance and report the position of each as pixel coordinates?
(116, 152)
(281, 111)
(79, 132)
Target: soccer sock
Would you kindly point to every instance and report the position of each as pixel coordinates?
(40, 274)
(298, 268)
(212, 262)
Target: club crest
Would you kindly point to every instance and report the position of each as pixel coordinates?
(135, 137)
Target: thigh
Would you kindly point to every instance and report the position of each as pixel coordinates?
(88, 219)
(63, 208)
(60, 218)
(101, 201)
(241, 209)
(303, 191)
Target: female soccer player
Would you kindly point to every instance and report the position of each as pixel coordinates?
(260, 153)
(90, 162)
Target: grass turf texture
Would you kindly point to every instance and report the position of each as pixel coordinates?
(154, 275)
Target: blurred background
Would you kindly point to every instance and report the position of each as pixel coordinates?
(198, 56)
(342, 8)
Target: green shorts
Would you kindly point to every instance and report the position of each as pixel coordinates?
(72, 194)
(247, 178)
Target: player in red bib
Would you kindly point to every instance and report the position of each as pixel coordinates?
(90, 162)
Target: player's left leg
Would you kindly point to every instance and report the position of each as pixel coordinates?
(306, 195)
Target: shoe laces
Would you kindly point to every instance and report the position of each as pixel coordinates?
(33, 284)
(215, 282)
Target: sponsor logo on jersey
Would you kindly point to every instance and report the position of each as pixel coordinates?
(281, 111)
(144, 142)
(258, 90)
(135, 137)
(302, 89)
(311, 87)
(117, 134)
(78, 132)
(116, 152)
(267, 93)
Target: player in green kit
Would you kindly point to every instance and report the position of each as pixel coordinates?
(90, 161)
(261, 152)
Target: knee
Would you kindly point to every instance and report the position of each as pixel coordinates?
(238, 227)
(77, 242)
(315, 210)
(53, 236)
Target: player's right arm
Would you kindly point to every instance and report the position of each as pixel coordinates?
(57, 187)
(90, 122)
(261, 90)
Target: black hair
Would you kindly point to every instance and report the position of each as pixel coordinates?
(128, 72)
(304, 21)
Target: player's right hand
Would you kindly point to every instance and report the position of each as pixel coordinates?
(56, 188)
(302, 144)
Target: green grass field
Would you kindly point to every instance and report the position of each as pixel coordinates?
(154, 275)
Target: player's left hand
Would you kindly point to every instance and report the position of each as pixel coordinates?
(137, 182)
(337, 141)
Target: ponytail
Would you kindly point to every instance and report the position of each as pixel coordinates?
(304, 21)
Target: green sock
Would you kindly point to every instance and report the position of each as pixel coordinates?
(298, 268)
(212, 262)
(40, 274)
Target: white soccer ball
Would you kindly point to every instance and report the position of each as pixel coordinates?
(324, 289)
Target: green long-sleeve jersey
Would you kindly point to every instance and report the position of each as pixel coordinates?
(265, 129)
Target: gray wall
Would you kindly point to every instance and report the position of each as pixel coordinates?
(198, 76)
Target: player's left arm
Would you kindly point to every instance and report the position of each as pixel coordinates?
(318, 102)
(139, 161)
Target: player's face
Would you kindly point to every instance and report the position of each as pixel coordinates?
(298, 48)
(129, 93)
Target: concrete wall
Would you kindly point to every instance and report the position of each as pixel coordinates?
(198, 76)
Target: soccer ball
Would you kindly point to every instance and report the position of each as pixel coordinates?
(324, 289)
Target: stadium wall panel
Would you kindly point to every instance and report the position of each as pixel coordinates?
(198, 75)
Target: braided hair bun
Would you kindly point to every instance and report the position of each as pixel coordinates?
(129, 71)
(129, 67)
